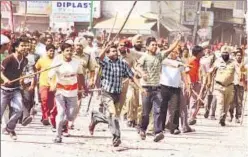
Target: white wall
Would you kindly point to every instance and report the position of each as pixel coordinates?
(109, 8)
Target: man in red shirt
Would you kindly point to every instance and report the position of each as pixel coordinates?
(194, 80)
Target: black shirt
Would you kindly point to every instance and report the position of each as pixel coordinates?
(12, 69)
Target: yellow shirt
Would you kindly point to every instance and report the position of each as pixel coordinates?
(44, 63)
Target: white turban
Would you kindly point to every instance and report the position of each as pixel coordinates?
(4, 39)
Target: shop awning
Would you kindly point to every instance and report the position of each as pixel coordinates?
(173, 26)
(137, 25)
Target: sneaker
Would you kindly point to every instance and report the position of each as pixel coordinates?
(72, 127)
(188, 130)
(237, 120)
(150, 133)
(175, 132)
(116, 142)
(45, 122)
(13, 135)
(66, 134)
(206, 114)
(158, 137)
(222, 123)
(192, 121)
(27, 121)
(142, 135)
(57, 140)
(129, 124)
(53, 129)
(5, 132)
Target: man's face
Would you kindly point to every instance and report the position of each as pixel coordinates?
(33, 45)
(4, 47)
(50, 53)
(152, 47)
(67, 53)
(21, 49)
(56, 44)
(89, 41)
(207, 51)
(78, 48)
(174, 54)
(239, 56)
(49, 41)
(113, 55)
(138, 45)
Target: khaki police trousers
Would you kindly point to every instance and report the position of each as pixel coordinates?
(132, 102)
(224, 97)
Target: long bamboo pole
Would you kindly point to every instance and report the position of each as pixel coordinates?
(36, 73)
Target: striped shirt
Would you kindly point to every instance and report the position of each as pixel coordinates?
(112, 74)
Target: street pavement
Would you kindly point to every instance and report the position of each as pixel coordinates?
(209, 140)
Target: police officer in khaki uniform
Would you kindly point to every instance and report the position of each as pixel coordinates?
(88, 65)
(224, 68)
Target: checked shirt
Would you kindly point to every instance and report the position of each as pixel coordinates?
(112, 74)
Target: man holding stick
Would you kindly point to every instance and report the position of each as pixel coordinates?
(12, 68)
(113, 70)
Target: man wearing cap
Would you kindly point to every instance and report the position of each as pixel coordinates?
(224, 71)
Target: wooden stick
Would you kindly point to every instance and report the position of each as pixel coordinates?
(123, 25)
(38, 72)
(112, 27)
(243, 107)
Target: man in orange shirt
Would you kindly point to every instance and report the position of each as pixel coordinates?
(194, 80)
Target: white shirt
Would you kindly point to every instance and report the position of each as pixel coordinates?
(171, 74)
(40, 49)
(66, 76)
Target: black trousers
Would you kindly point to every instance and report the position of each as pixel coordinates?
(170, 98)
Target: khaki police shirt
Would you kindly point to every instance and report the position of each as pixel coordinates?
(225, 71)
(86, 62)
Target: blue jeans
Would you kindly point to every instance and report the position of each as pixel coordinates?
(152, 99)
(14, 99)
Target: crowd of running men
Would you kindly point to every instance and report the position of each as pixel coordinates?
(155, 87)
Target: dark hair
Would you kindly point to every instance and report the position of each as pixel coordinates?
(112, 46)
(48, 38)
(196, 50)
(88, 36)
(50, 46)
(64, 46)
(149, 40)
(36, 33)
(20, 40)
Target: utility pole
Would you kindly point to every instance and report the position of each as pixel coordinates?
(198, 11)
(159, 18)
(246, 21)
(91, 14)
